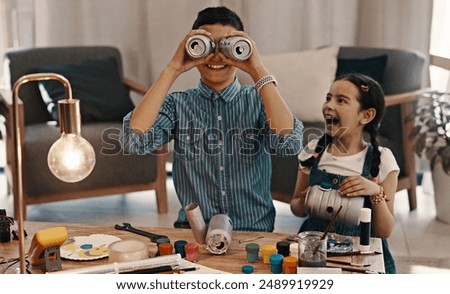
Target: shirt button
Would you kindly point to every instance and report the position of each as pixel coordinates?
(224, 193)
(219, 118)
(221, 168)
(220, 142)
(188, 138)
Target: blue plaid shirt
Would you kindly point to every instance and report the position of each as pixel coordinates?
(222, 148)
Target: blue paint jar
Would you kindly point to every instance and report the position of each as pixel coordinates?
(252, 252)
(276, 263)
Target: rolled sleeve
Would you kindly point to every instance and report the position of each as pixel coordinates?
(143, 143)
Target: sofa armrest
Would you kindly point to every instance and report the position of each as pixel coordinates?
(136, 87)
(396, 99)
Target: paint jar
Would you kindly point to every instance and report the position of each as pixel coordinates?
(165, 249)
(247, 269)
(293, 250)
(161, 241)
(276, 263)
(267, 251)
(191, 250)
(179, 247)
(290, 264)
(283, 248)
(252, 252)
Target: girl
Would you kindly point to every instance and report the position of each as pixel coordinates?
(353, 108)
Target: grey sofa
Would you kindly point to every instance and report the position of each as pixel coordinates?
(401, 82)
(115, 172)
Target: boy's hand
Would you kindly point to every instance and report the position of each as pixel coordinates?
(181, 61)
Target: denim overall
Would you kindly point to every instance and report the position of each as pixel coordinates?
(328, 180)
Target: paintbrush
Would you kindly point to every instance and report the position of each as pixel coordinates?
(349, 253)
(347, 263)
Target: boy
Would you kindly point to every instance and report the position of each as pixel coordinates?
(223, 132)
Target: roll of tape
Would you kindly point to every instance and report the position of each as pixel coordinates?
(127, 250)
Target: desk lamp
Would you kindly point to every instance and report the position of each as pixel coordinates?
(70, 159)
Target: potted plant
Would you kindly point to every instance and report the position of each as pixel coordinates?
(431, 135)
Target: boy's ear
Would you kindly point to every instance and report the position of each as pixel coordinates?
(368, 115)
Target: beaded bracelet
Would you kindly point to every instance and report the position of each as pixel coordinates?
(264, 81)
(381, 196)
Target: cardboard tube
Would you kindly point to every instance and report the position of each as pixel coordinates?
(196, 221)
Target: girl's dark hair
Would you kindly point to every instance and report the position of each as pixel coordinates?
(371, 95)
(218, 15)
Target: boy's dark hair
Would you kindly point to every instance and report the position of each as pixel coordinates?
(218, 15)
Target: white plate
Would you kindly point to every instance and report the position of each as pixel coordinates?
(87, 247)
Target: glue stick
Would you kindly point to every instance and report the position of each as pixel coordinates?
(364, 223)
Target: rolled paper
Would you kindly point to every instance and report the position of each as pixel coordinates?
(218, 237)
(196, 221)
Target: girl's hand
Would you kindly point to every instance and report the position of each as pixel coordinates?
(358, 186)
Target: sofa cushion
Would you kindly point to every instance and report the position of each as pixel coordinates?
(96, 83)
(304, 78)
(374, 67)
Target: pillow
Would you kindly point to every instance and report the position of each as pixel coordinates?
(304, 78)
(96, 83)
(374, 67)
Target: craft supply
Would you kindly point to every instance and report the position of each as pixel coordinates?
(364, 224)
(347, 263)
(247, 269)
(283, 248)
(290, 264)
(293, 250)
(191, 250)
(164, 269)
(349, 253)
(196, 221)
(353, 269)
(312, 249)
(117, 267)
(165, 249)
(218, 237)
(251, 239)
(267, 250)
(127, 250)
(276, 263)
(252, 252)
(160, 241)
(129, 228)
(179, 247)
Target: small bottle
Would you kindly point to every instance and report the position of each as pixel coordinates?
(276, 263)
(252, 252)
(267, 251)
(191, 250)
(290, 264)
(161, 241)
(165, 249)
(364, 224)
(293, 250)
(179, 247)
(283, 248)
(247, 269)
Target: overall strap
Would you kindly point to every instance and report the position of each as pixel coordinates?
(333, 181)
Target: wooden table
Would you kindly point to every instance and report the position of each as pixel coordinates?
(231, 262)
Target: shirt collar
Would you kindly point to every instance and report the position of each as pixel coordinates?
(226, 94)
